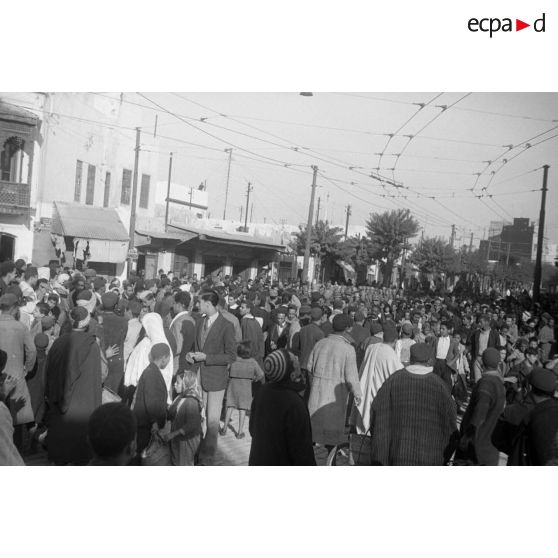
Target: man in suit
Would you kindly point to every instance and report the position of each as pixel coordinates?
(215, 350)
(278, 337)
(483, 338)
(446, 352)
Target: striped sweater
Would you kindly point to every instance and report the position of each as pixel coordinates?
(413, 420)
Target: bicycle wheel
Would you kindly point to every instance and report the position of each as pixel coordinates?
(339, 456)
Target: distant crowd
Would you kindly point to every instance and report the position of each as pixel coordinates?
(98, 371)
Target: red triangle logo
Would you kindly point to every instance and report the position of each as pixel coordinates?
(519, 25)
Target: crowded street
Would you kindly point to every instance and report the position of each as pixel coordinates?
(337, 314)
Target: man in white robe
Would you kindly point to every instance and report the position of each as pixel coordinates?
(380, 362)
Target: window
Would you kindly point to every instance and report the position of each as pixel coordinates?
(79, 172)
(90, 191)
(126, 186)
(107, 190)
(144, 193)
(14, 162)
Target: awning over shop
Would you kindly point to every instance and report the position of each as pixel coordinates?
(224, 238)
(87, 221)
(159, 238)
(95, 229)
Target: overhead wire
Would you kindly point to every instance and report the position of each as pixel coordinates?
(465, 109)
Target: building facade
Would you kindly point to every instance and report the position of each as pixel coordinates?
(79, 149)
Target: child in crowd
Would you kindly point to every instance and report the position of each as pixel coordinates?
(244, 371)
(186, 414)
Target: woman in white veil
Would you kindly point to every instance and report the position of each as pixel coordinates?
(139, 358)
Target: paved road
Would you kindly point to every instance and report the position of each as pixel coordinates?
(230, 451)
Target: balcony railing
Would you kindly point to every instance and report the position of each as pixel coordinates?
(15, 195)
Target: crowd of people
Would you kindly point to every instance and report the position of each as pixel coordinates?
(150, 371)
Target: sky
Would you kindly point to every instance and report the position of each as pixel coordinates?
(451, 157)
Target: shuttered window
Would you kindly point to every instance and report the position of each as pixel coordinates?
(144, 192)
(77, 190)
(126, 187)
(90, 192)
(106, 197)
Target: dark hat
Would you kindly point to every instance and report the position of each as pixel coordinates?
(376, 327)
(491, 358)
(316, 314)
(276, 365)
(304, 310)
(420, 353)
(315, 296)
(390, 333)
(8, 300)
(47, 322)
(80, 317)
(109, 300)
(85, 295)
(90, 273)
(341, 322)
(337, 304)
(543, 379)
(41, 341)
(407, 329)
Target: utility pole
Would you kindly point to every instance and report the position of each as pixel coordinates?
(168, 195)
(508, 255)
(452, 238)
(309, 227)
(540, 239)
(241, 210)
(318, 211)
(471, 244)
(134, 197)
(347, 220)
(248, 190)
(229, 151)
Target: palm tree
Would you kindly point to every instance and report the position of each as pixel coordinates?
(325, 243)
(389, 233)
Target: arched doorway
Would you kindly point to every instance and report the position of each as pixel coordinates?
(7, 247)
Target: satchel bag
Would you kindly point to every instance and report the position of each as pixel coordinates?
(157, 452)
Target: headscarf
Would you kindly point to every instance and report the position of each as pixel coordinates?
(139, 359)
